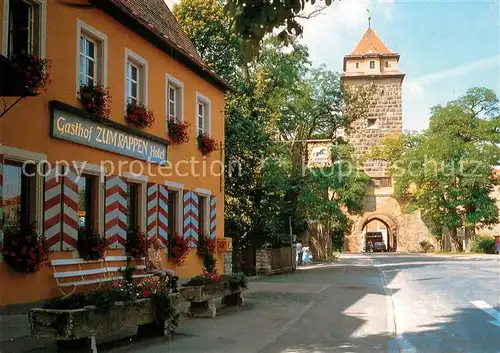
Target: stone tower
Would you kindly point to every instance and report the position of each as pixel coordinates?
(373, 65)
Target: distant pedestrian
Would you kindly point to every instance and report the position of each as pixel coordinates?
(497, 244)
(300, 253)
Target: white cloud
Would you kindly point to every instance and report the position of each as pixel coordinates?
(461, 70)
(338, 29)
(423, 92)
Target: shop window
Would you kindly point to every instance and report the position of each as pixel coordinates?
(92, 51)
(133, 219)
(24, 25)
(202, 114)
(135, 79)
(19, 196)
(174, 99)
(372, 64)
(88, 202)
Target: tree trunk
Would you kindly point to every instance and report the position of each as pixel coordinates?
(454, 236)
(470, 235)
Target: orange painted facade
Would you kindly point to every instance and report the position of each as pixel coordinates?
(26, 126)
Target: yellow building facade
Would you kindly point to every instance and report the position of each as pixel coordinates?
(108, 174)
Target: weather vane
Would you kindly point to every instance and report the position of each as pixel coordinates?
(369, 18)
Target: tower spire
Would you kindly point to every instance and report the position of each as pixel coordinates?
(369, 18)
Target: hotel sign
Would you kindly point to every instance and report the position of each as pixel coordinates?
(75, 128)
(319, 154)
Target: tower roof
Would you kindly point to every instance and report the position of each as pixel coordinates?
(370, 43)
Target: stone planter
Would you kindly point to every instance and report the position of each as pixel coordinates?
(202, 298)
(79, 327)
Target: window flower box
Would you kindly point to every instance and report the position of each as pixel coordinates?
(90, 245)
(34, 71)
(206, 144)
(139, 115)
(178, 131)
(24, 250)
(96, 100)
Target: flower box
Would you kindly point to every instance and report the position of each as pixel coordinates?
(139, 115)
(78, 324)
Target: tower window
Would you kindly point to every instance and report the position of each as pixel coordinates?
(386, 64)
(357, 65)
(372, 64)
(371, 122)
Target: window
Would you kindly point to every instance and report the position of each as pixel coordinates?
(202, 114)
(372, 64)
(19, 196)
(133, 206)
(24, 27)
(92, 56)
(88, 61)
(371, 122)
(172, 211)
(88, 202)
(175, 92)
(357, 65)
(133, 83)
(386, 64)
(136, 74)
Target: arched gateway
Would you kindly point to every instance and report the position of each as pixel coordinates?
(373, 65)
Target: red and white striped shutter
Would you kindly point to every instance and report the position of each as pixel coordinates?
(116, 212)
(152, 209)
(1, 202)
(163, 213)
(187, 214)
(52, 210)
(70, 211)
(213, 217)
(195, 218)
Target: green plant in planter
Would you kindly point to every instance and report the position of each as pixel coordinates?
(235, 281)
(206, 250)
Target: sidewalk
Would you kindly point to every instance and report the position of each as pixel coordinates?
(279, 310)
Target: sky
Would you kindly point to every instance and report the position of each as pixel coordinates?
(446, 46)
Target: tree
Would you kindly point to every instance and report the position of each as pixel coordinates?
(209, 28)
(255, 19)
(446, 171)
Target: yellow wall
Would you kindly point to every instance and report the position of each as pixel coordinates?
(26, 126)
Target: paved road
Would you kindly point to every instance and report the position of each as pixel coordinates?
(361, 304)
(443, 304)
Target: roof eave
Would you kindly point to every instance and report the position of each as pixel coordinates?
(162, 43)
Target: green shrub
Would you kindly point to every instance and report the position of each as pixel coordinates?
(426, 246)
(483, 244)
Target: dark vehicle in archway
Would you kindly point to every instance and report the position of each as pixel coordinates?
(374, 242)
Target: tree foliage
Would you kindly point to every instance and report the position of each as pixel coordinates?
(446, 171)
(280, 100)
(255, 19)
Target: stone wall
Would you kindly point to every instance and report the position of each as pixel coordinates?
(381, 205)
(273, 261)
(228, 263)
(385, 105)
